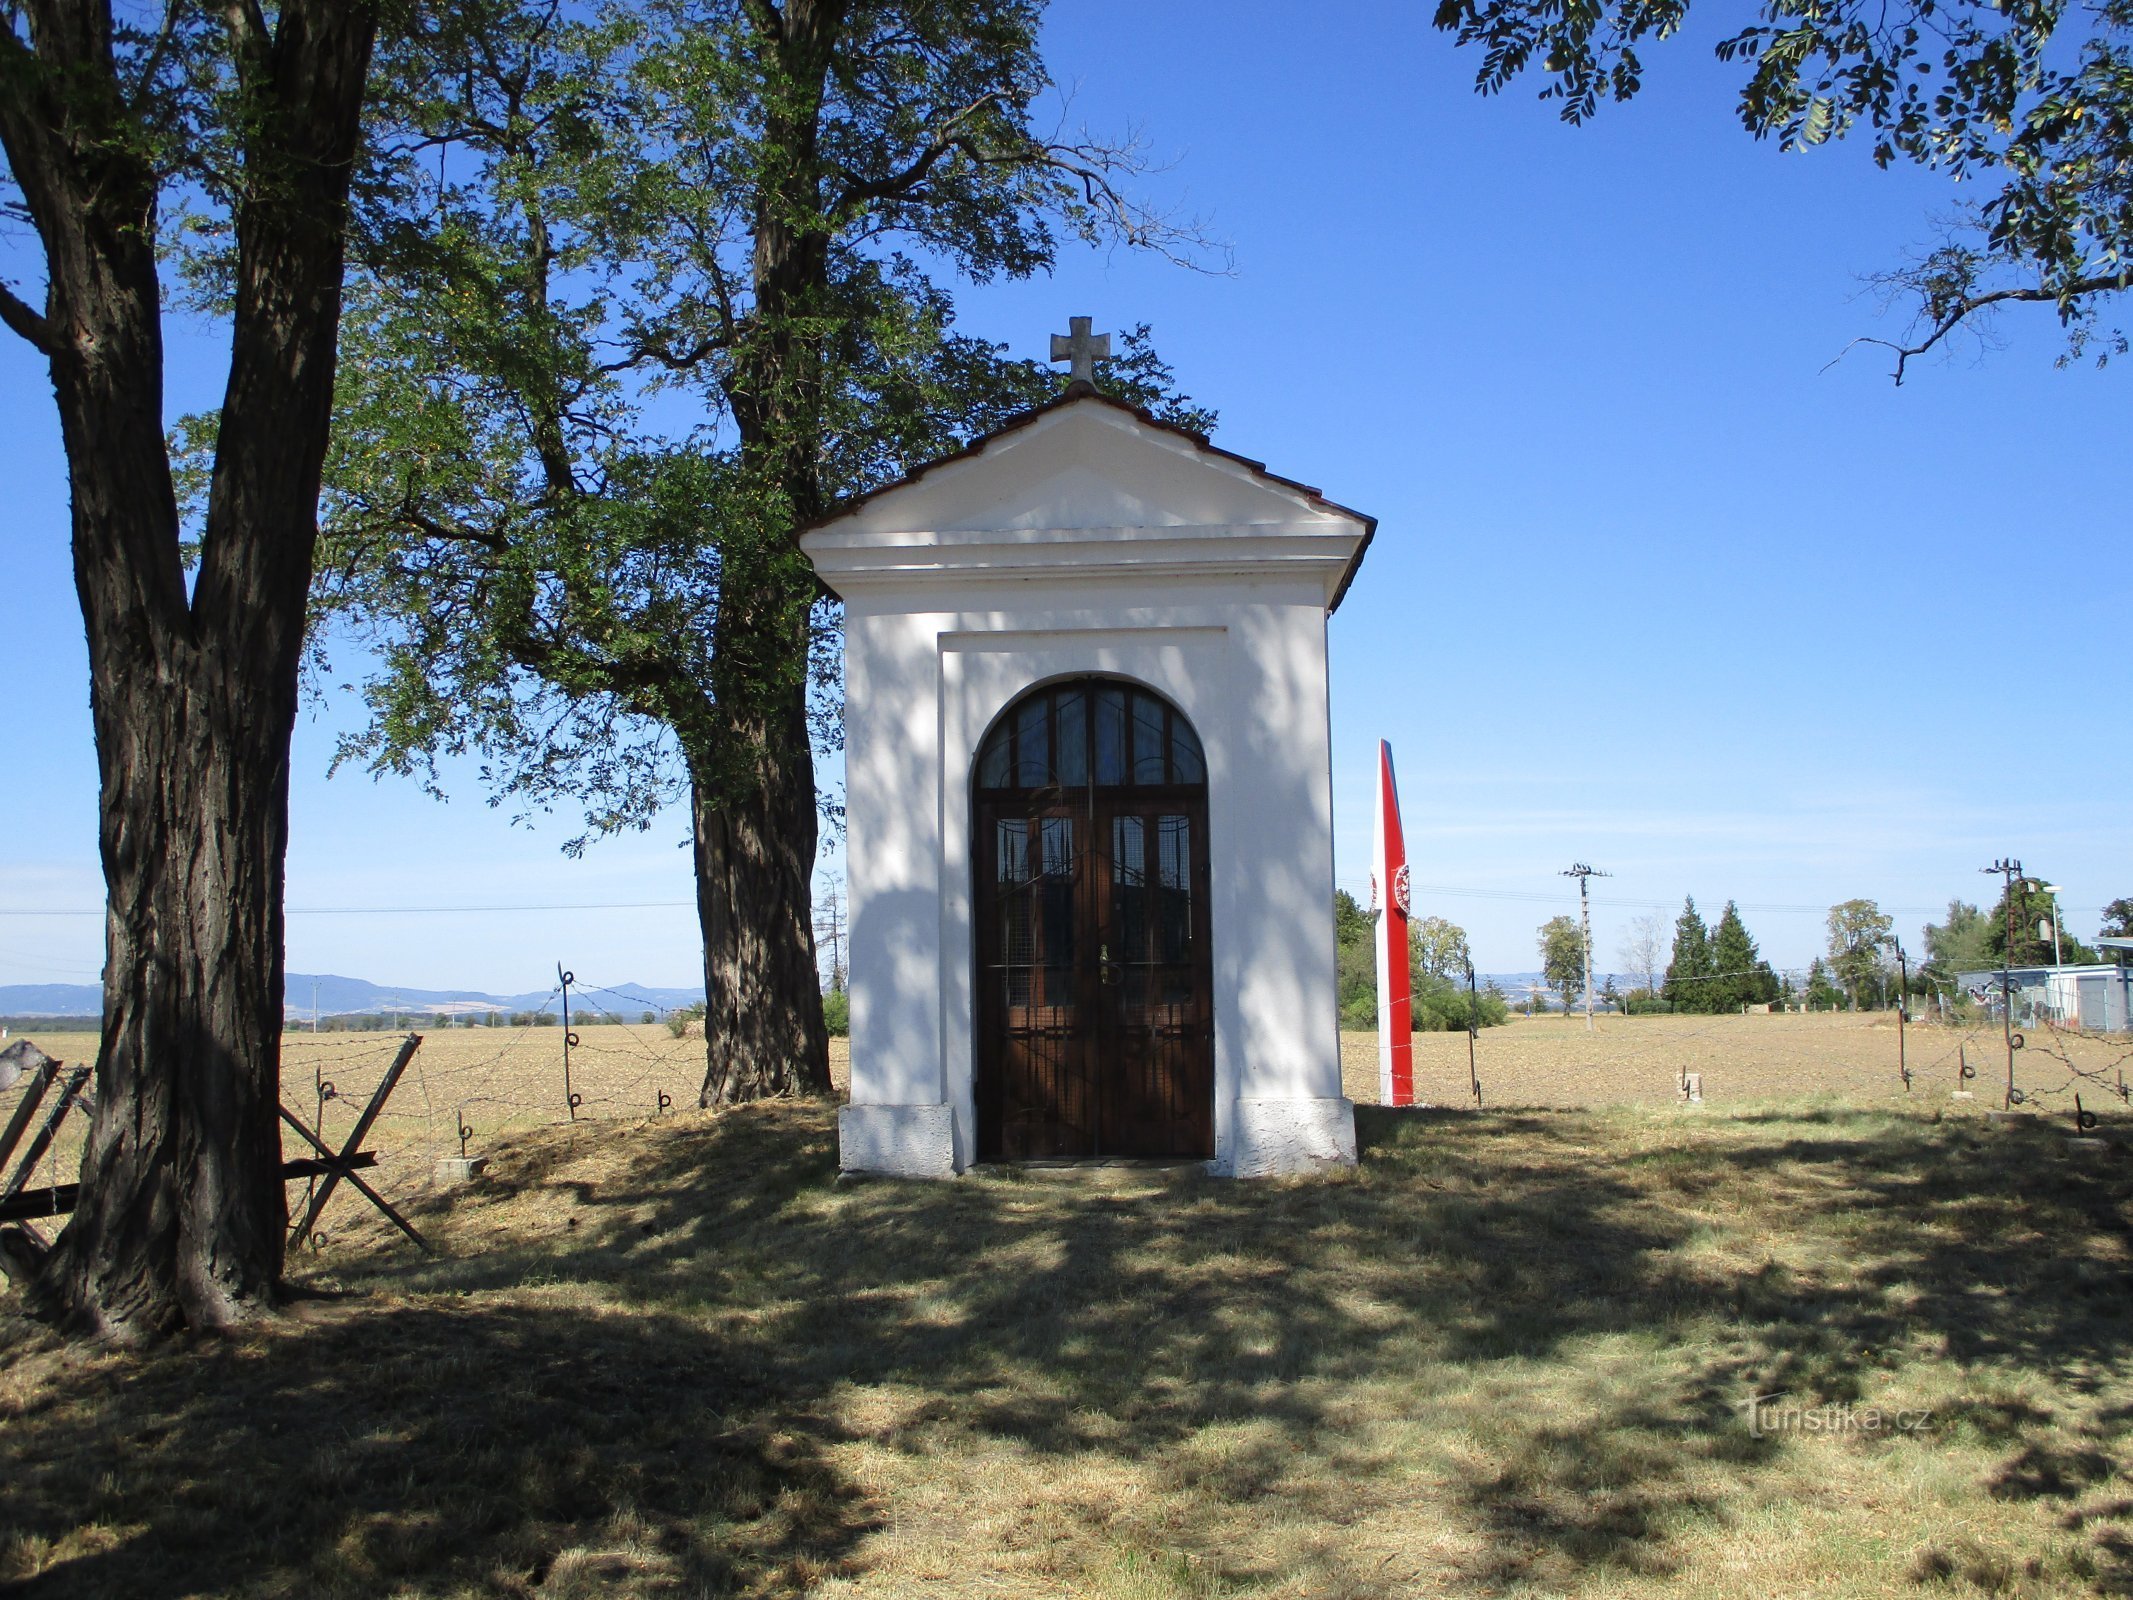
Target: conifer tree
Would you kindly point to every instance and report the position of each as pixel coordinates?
(1690, 968)
(1740, 976)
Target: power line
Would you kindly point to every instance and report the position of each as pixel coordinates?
(1547, 897)
(1455, 891)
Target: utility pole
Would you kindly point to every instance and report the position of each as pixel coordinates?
(1581, 872)
(2010, 871)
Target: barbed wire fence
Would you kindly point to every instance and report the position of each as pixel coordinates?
(577, 1057)
(1932, 1053)
(467, 1091)
(463, 1092)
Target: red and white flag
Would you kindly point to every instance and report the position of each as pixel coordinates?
(1388, 886)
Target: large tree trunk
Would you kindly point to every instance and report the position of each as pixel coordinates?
(182, 1209)
(754, 832)
(192, 696)
(754, 799)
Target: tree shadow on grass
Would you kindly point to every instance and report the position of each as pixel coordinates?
(460, 1432)
(435, 1449)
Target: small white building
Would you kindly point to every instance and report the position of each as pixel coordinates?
(1089, 802)
(2095, 998)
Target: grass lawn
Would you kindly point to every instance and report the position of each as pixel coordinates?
(1509, 1355)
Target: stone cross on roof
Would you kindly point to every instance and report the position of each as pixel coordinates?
(1081, 347)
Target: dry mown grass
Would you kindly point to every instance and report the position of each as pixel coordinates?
(1744, 1060)
(1506, 1356)
(500, 1081)
(503, 1082)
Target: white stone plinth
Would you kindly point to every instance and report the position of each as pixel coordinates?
(1280, 1138)
(899, 1141)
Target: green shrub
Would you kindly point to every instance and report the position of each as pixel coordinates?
(837, 1013)
(1444, 1007)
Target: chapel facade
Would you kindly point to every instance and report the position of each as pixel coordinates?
(1088, 802)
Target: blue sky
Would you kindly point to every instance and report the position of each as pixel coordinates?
(1656, 585)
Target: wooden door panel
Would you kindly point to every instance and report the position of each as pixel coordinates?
(1155, 1059)
(1036, 1095)
(1094, 980)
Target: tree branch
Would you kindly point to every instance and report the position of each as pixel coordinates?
(153, 62)
(1961, 311)
(949, 137)
(643, 350)
(18, 315)
(251, 40)
(429, 526)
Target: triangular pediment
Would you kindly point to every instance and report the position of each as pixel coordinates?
(1090, 484)
(1085, 464)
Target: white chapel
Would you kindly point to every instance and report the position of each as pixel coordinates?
(1088, 800)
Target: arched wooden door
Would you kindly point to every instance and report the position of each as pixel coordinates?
(1095, 985)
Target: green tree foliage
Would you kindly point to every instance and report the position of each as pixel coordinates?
(1448, 1007)
(1355, 963)
(1439, 1000)
(1959, 944)
(1821, 994)
(1562, 953)
(1688, 970)
(642, 291)
(1862, 940)
(2024, 906)
(2028, 105)
(1740, 976)
(2118, 919)
(1440, 950)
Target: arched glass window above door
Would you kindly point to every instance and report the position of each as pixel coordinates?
(1090, 733)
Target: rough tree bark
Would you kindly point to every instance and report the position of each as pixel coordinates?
(755, 857)
(754, 799)
(192, 697)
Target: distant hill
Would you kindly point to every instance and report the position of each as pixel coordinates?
(51, 1000)
(345, 997)
(358, 997)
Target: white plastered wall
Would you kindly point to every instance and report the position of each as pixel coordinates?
(1248, 667)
